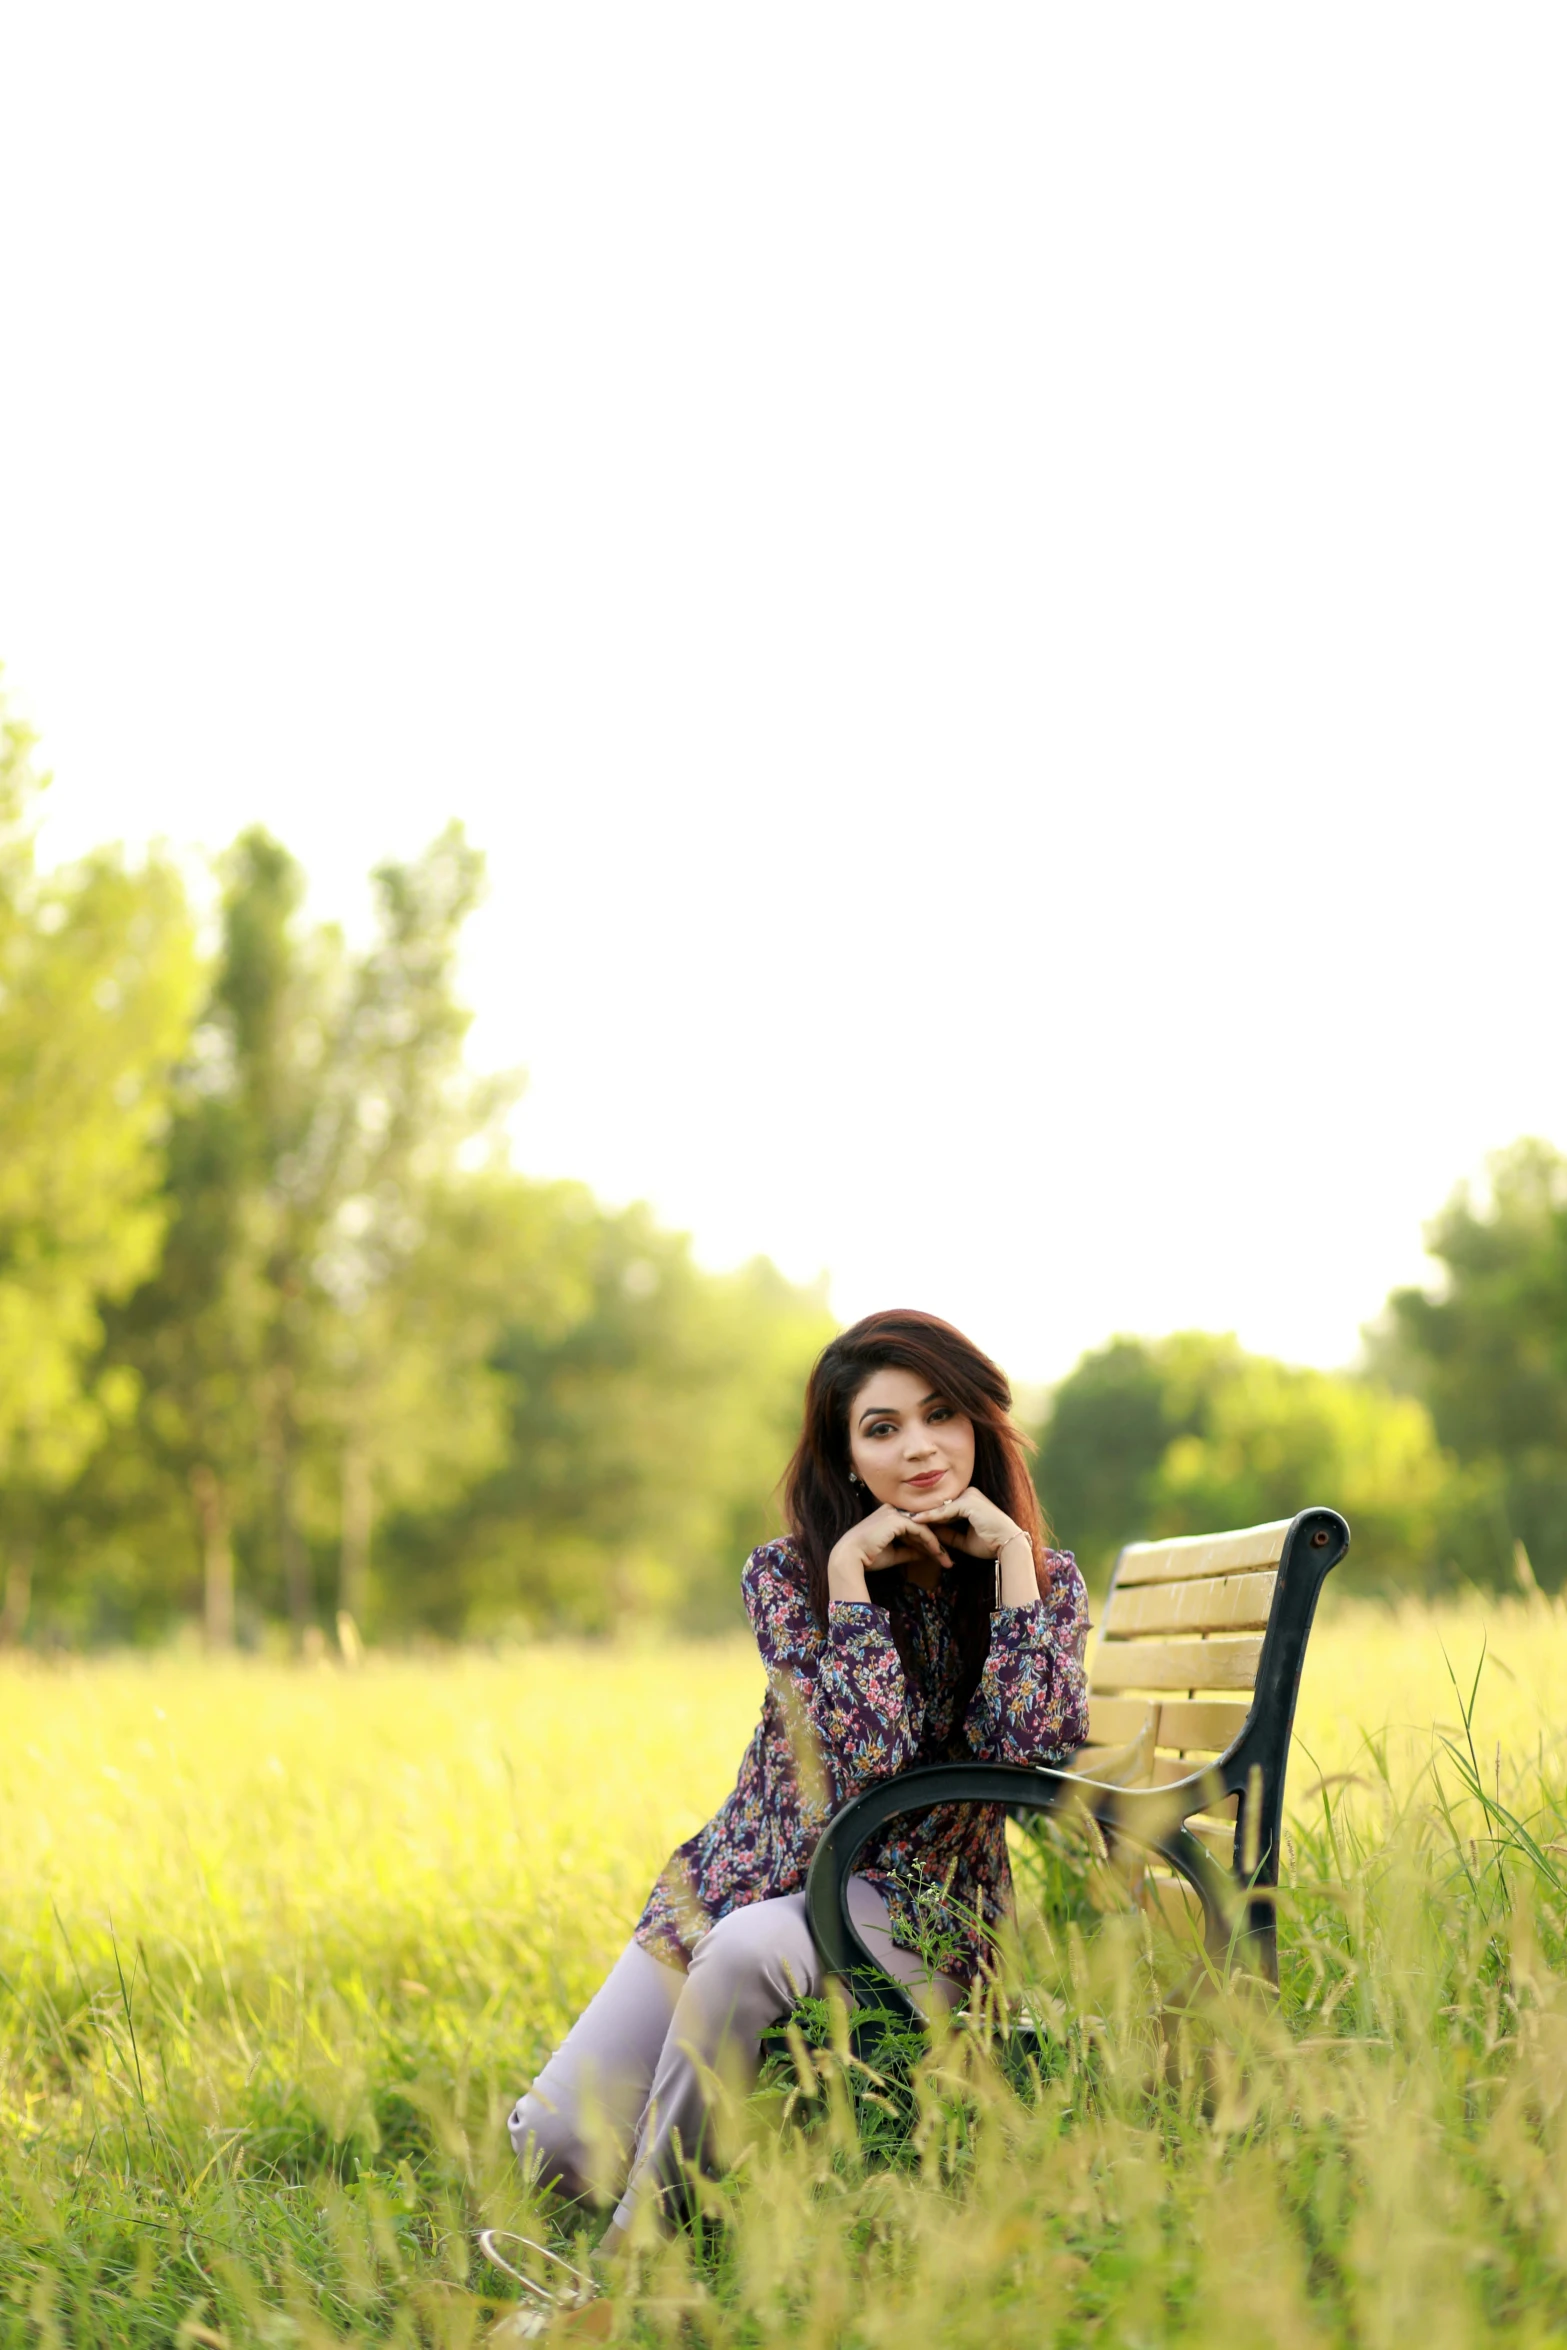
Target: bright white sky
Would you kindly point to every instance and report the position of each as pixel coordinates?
(990, 579)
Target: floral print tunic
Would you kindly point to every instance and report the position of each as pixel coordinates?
(839, 1714)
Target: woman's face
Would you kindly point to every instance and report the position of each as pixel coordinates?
(907, 1444)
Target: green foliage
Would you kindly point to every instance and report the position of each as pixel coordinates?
(97, 978)
(1184, 1434)
(1487, 1353)
(651, 1407)
(1100, 1449)
(276, 1314)
(302, 1350)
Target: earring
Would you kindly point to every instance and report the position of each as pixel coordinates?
(853, 1480)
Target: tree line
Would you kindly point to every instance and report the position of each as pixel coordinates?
(287, 1341)
(1190, 1433)
(1447, 1451)
(284, 1337)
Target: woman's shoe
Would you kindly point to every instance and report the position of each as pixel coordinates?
(593, 2322)
(575, 2313)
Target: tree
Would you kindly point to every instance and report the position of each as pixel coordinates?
(1487, 1352)
(366, 1334)
(1184, 1434)
(270, 1291)
(1100, 1448)
(97, 979)
(413, 1404)
(651, 1408)
(1265, 1438)
(200, 1332)
(295, 1351)
(398, 1392)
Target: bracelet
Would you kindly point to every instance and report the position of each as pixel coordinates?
(1019, 1536)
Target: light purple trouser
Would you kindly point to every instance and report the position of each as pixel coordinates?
(628, 2095)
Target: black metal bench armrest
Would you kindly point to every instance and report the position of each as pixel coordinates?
(1148, 1816)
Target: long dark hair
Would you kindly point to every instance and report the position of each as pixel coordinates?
(820, 1504)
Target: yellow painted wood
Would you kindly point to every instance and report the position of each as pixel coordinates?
(1168, 1770)
(1115, 1766)
(1219, 1603)
(1188, 1726)
(1176, 1664)
(1121, 1734)
(1219, 1836)
(1116, 1721)
(1195, 1555)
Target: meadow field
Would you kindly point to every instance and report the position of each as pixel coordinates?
(280, 1945)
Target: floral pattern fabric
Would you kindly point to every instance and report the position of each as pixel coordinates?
(839, 1714)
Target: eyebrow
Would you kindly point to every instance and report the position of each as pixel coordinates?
(890, 1411)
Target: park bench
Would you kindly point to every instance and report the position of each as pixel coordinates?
(1191, 1704)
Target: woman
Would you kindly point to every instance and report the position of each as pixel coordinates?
(912, 1614)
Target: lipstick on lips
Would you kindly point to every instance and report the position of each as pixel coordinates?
(931, 1477)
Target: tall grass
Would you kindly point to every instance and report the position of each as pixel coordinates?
(280, 1947)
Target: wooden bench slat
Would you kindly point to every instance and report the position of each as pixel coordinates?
(1227, 1603)
(1219, 1836)
(1181, 1725)
(1193, 1726)
(1189, 1556)
(1176, 1664)
(1116, 1721)
(1115, 1766)
(1167, 1769)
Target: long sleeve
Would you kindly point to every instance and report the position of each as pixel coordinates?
(848, 1684)
(841, 1713)
(1031, 1705)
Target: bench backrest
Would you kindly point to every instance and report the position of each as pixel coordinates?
(1197, 1662)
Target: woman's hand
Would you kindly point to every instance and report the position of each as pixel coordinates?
(974, 1525)
(884, 1539)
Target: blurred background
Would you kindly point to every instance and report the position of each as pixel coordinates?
(701, 672)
